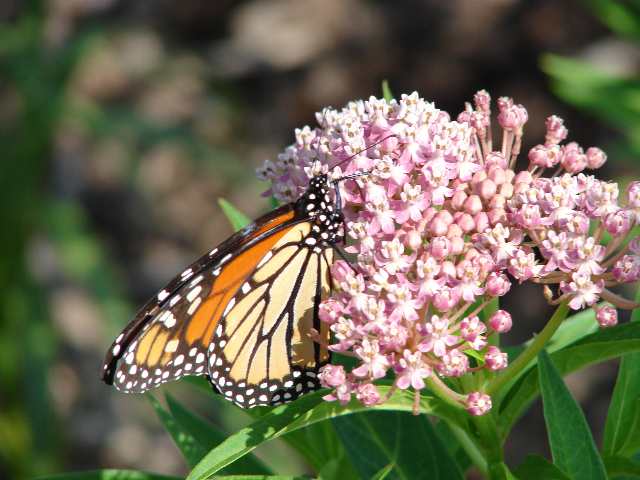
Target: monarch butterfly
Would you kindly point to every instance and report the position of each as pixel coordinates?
(242, 314)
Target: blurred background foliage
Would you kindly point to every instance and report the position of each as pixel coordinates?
(122, 124)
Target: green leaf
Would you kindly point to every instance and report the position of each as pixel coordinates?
(209, 436)
(536, 467)
(108, 474)
(617, 466)
(622, 428)
(305, 411)
(386, 91)
(597, 347)
(377, 439)
(236, 218)
(613, 98)
(319, 444)
(191, 450)
(570, 440)
(617, 16)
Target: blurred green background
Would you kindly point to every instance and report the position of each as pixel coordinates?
(122, 123)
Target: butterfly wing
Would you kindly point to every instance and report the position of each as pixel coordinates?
(175, 333)
(166, 316)
(263, 353)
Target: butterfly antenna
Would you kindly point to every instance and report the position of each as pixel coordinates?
(364, 150)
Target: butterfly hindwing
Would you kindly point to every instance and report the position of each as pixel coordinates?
(263, 352)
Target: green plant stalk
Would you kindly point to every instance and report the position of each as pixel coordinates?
(490, 441)
(470, 447)
(538, 343)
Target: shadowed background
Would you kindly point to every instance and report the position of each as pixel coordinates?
(122, 124)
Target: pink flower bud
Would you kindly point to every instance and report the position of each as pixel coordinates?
(440, 223)
(633, 194)
(596, 158)
(495, 359)
(506, 190)
(466, 223)
(457, 201)
(495, 159)
(497, 175)
(606, 316)
(544, 156)
(473, 205)
(368, 394)
(477, 179)
(440, 247)
(627, 269)
(500, 321)
(619, 223)
(457, 245)
(556, 131)
(478, 403)
(523, 176)
(482, 222)
(482, 100)
(413, 239)
(332, 376)
(487, 189)
(634, 245)
(573, 158)
(497, 285)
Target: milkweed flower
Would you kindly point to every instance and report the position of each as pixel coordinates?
(444, 222)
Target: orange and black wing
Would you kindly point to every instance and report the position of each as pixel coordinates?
(189, 323)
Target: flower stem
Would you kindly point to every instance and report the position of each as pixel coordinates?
(538, 343)
(444, 393)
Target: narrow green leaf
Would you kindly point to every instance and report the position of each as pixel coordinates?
(500, 471)
(572, 445)
(307, 410)
(386, 91)
(621, 431)
(191, 450)
(383, 472)
(376, 439)
(620, 466)
(260, 477)
(536, 467)
(209, 436)
(108, 474)
(236, 218)
(597, 347)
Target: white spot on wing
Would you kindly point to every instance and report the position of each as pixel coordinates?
(191, 296)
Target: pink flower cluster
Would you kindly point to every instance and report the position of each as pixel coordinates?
(443, 224)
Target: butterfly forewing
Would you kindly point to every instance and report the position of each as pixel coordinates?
(169, 336)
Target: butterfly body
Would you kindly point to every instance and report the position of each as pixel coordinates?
(242, 314)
